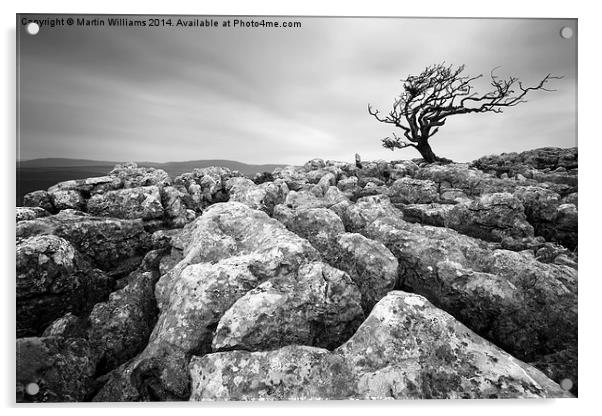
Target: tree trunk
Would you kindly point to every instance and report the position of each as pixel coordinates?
(426, 152)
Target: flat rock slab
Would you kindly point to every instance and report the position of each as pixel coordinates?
(406, 349)
(289, 373)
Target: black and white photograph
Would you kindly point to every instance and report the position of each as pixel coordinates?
(227, 208)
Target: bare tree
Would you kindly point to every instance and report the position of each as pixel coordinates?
(441, 91)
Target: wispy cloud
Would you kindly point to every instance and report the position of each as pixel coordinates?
(260, 95)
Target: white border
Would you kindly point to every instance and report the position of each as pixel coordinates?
(589, 142)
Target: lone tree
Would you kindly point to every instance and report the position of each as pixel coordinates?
(440, 91)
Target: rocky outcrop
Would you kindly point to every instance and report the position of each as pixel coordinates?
(119, 328)
(470, 181)
(370, 264)
(367, 209)
(89, 185)
(547, 158)
(289, 373)
(552, 217)
(497, 217)
(67, 326)
(320, 306)
(307, 199)
(131, 203)
(405, 349)
(413, 191)
(521, 304)
(53, 279)
(106, 241)
(178, 207)
(566, 223)
(228, 251)
(53, 369)
(263, 197)
(331, 280)
(320, 226)
(132, 192)
(294, 177)
(39, 199)
(132, 176)
(69, 199)
(348, 185)
(30, 213)
(205, 186)
(428, 214)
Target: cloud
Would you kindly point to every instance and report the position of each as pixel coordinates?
(278, 96)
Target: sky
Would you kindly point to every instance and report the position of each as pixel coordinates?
(279, 95)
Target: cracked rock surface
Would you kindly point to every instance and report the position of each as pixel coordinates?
(393, 280)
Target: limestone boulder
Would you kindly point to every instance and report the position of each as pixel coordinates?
(413, 191)
(88, 185)
(540, 204)
(314, 164)
(40, 199)
(525, 306)
(108, 242)
(427, 214)
(370, 264)
(491, 217)
(206, 186)
(403, 168)
(53, 279)
(67, 326)
(133, 176)
(320, 226)
(320, 306)
(349, 185)
(359, 215)
(471, 181)
(407, 348)
(227, 252)
(130, 203)
(262, 197)
(571, 199)
(178, 207)
(295, 177)
(290, 373)
(69, 199)
(30, 213)
(566, 225)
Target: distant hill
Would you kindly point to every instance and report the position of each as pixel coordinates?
(56, 162)
(36, 174)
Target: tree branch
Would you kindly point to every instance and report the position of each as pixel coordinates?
(442, 91)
